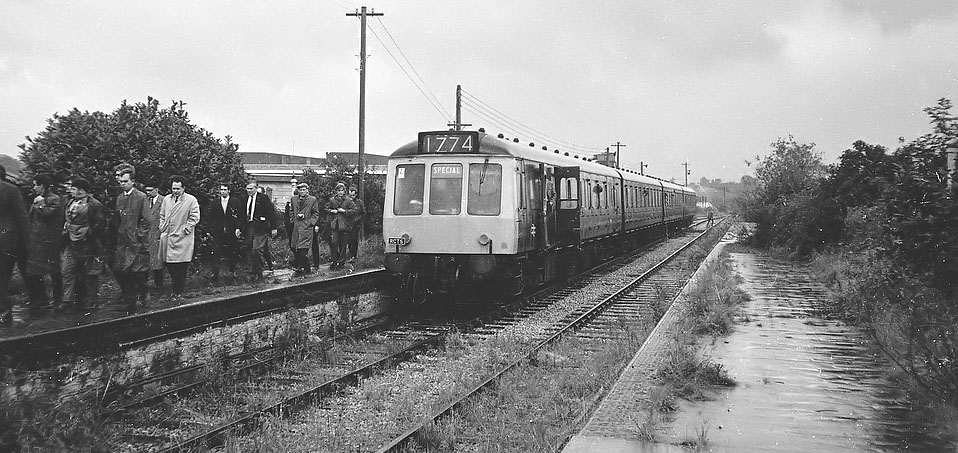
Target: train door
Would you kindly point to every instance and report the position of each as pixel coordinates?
(567, 215)
(534, 181)
(527, 206)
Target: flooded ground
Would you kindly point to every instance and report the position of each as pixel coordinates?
(805, 383)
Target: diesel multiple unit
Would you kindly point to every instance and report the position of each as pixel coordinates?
(464, 208)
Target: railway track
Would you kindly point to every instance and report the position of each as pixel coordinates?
(341, 412)
(635, 302)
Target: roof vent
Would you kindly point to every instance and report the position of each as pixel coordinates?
(501, 136)
(515, 140)
(482, 129)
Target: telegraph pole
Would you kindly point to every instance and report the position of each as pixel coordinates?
(362, 96)
(687, 173)
(617, 145)
(458, 124)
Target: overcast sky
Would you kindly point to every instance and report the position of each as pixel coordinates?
(710, 83)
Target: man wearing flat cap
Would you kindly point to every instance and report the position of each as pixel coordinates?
(304, 214)
(82, 261)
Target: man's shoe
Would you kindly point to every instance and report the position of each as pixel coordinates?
(6, 316)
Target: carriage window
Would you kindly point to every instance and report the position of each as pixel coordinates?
(410, 180)
(445, 189)
(485, 189)
(569, 196)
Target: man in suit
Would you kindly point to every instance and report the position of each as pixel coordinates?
(259, 224)
(131, 229)
(225, 217)
(178, 219)
(156, 204)
(14, 238)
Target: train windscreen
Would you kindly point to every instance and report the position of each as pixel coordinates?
(485, 189)
(410, 183)
(445, 189)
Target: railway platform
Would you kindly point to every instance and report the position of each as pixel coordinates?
(200, 289)
(614, 426)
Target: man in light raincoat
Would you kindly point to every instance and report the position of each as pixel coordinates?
(178, 219)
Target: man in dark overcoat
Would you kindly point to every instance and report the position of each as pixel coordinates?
(225, 216)
(131, 229)
(14, 239)
(305, 214)
(259, 223)
(46, 228)
(341, 210)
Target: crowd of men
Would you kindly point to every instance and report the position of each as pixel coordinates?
(69, 241)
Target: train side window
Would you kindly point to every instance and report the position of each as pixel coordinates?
(569, 194)
(410, 183)
(445, 189)
(485, 189)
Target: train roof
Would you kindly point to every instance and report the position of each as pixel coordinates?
(501, 146)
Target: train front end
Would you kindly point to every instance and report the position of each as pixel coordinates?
(449, 214)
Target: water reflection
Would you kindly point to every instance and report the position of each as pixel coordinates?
(805, 382)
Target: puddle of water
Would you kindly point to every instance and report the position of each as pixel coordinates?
(805, 383)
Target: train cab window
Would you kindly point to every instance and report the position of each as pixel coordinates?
(485, 189)
(445, 189)
(410, 183)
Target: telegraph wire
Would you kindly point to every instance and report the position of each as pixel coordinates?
(403, 54)
(492, 114)
(431, 99)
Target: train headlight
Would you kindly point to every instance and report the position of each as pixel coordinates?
(484, 240)
(406, 239)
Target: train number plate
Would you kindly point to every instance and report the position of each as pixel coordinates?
(396, 241)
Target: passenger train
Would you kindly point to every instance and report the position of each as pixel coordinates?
(466, 210)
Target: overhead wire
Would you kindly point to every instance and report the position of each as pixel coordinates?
(420, 84)
(499, 118)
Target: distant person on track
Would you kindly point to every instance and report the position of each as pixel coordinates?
(178, 219)
(225, 213)
(304, 214)
(340, 212)
(352, 246)
(131, 227)
(14, 239)
(709, 220)
(156, 261)
(46, 228)
(82, 260)
(259, 225)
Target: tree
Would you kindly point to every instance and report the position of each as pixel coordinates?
(780, 195)
(158, 142)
